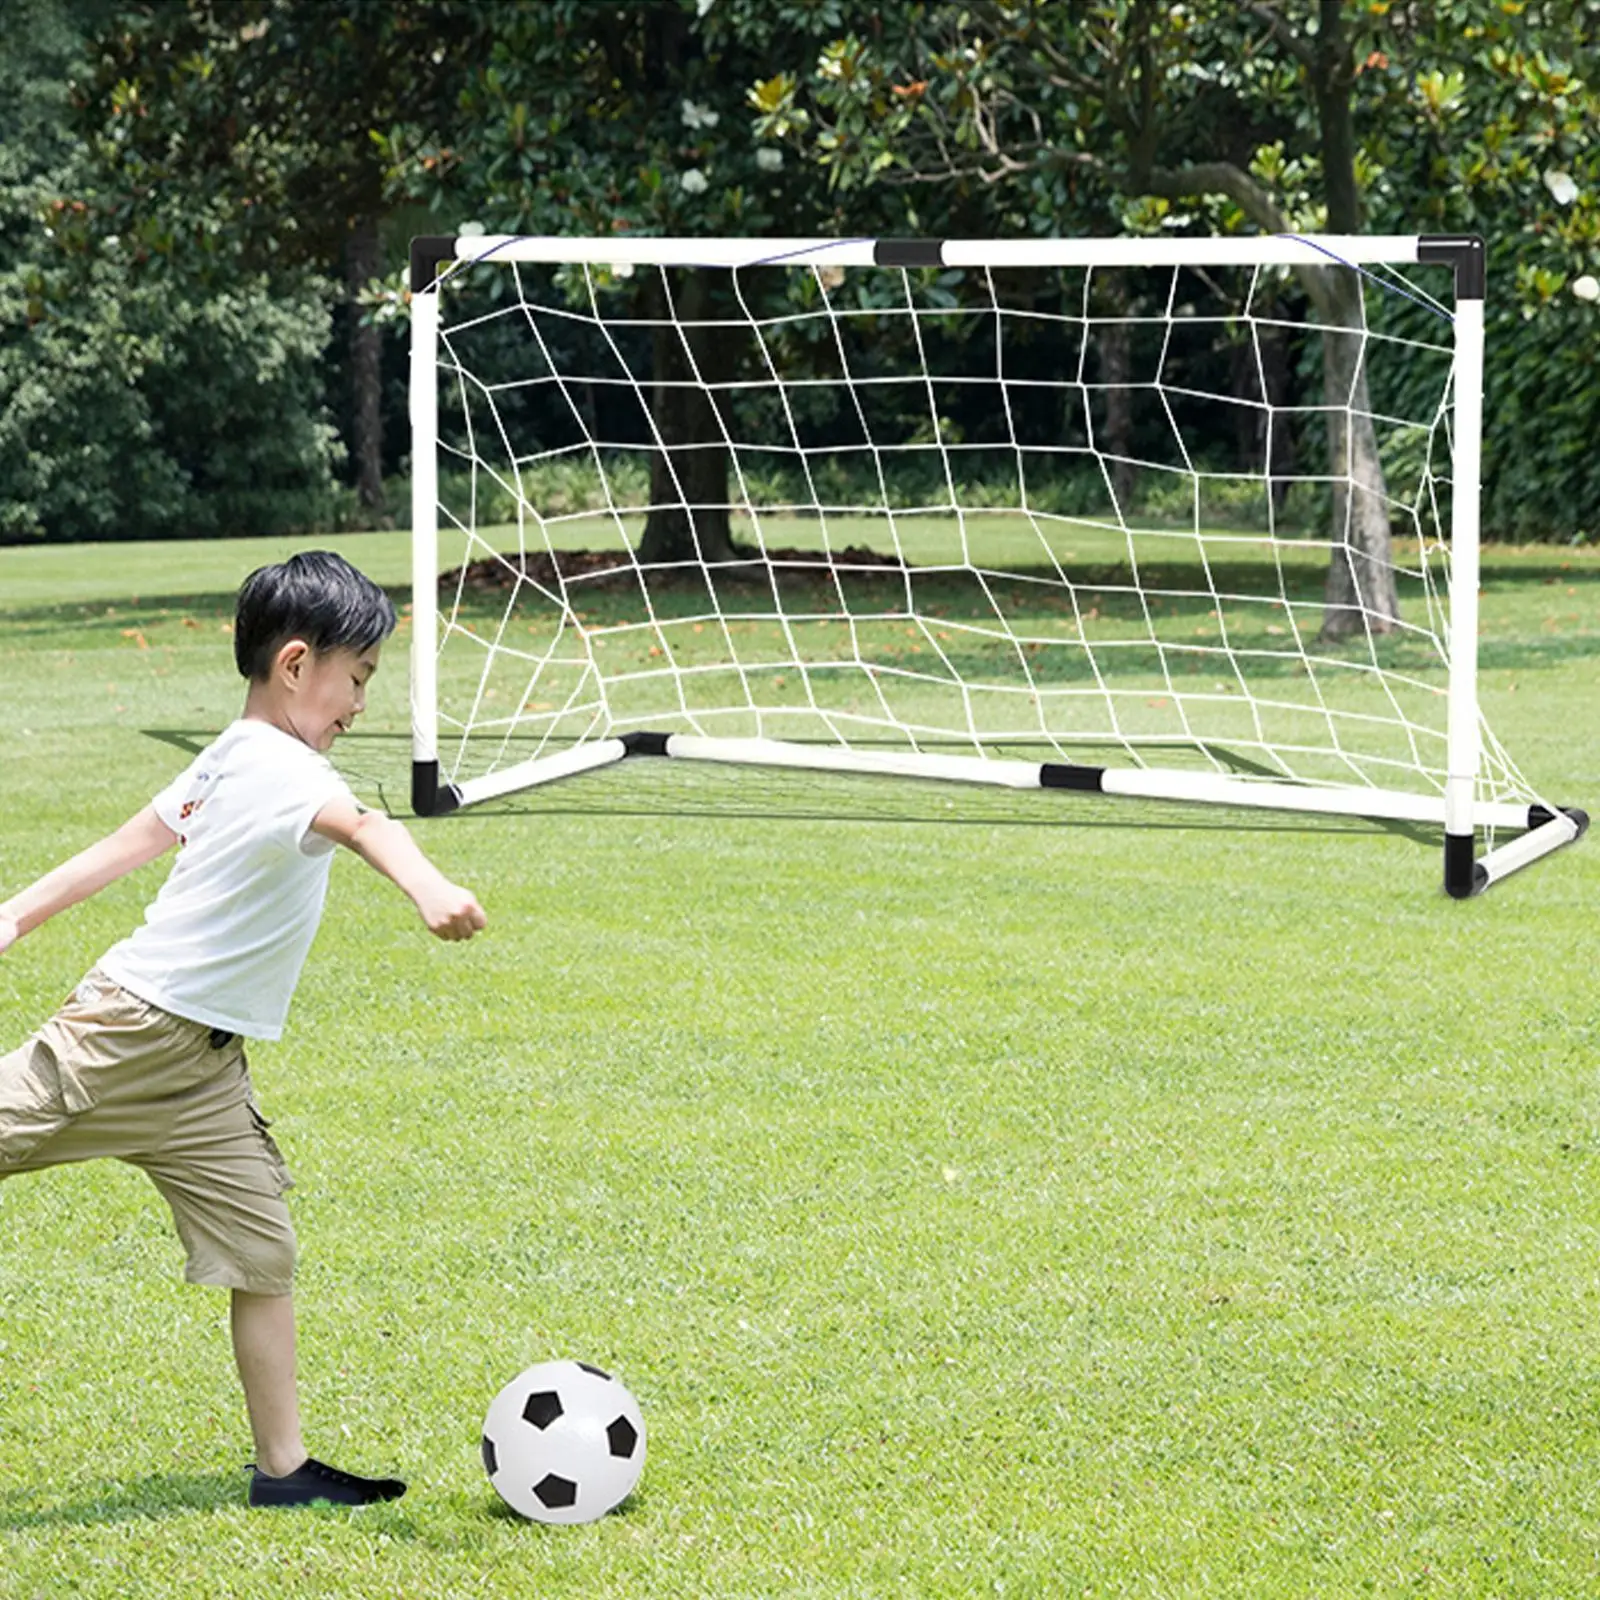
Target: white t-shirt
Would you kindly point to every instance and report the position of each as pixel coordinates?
(225, 939)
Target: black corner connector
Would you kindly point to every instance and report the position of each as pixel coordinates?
(429, 797)
(428, 253)
(1463, 876)
(645, 744)
(1539, 815)
(1464, 252)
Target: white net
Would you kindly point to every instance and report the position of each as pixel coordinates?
(1081, 515)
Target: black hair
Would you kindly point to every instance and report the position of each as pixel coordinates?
(316, 596)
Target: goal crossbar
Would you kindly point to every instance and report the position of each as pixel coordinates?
(430, 256)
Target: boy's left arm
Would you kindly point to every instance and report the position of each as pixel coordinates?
(135, 844)
(450, 911)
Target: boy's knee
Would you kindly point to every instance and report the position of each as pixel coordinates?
(270, 1272)
(37, 1102)
(266, 1264)
(266, 1276)
(258, 1258)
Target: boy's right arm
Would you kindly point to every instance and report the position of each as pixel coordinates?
(450, 911)
(136, 843)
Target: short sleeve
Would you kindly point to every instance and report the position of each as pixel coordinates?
(311, 785)
(169, 803)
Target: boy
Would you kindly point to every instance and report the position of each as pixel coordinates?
(144, 1061)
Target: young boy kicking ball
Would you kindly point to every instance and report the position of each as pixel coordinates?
(144, 1061)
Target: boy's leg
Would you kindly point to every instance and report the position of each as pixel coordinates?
(225, 1190)
(263, 1346)
(113, 1076)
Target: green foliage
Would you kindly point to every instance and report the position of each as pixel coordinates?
(590, 118)
(144, 395)
(1120, 115)
(1542, 423)
(255, 121)
(1484, 123)
(566, 488)
(131, 411)
(228, 147)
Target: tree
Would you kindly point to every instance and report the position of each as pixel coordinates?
(628, 117)
(262, 114)
(137, 398)
(1011, 106)
(1486, 125)
(993, 114)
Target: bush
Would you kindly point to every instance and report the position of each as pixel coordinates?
(1541, 424)
(138, 399)
(131, 411)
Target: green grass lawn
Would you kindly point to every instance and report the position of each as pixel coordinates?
(982, 1196)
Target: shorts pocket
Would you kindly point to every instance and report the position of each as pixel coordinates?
(38, 1097)
(269, 1147)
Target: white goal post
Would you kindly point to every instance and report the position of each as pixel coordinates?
(1182, 518)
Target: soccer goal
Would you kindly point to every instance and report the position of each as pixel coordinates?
(1183, 519)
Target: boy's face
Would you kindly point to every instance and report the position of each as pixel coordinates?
(330, 692)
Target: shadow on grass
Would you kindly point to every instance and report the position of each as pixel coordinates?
(121, 609)
(1135, 816)
(496, 1510)
(1176, 600)
(163, 1495)
(1184, 586)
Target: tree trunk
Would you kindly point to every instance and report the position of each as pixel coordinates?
(1360, 592)
(1112, 348)
(688, 520)
(1333, 82)
(364, 262)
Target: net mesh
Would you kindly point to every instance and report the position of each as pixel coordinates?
(1076, 514)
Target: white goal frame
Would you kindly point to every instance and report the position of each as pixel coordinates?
(1459, 810)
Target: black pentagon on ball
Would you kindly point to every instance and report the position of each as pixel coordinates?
(556, 1493)
(542, 1409)
(491, 1463)
(599, 1372)
(624, 1437)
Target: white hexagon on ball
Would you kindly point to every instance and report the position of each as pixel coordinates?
(563, 1442)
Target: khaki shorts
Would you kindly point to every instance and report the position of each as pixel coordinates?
(110, 1075)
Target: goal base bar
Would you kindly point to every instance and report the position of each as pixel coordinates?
(1554, 830)
(431, 798)
(1541, 829)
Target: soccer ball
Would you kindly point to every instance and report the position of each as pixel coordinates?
(563, 1442)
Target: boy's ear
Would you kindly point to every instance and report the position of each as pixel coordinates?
(292, 659)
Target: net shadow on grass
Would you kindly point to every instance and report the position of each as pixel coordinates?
(1175, 608)
(117, 615)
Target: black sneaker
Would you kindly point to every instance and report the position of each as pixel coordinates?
(313, 1483)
